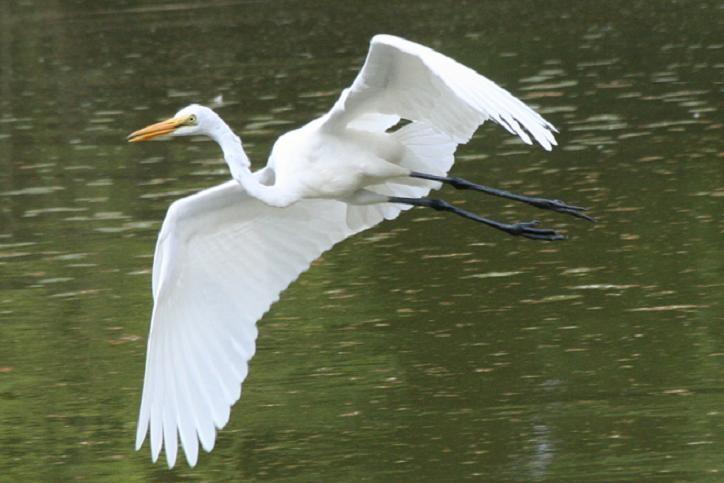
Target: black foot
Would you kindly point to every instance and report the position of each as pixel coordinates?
(557, 206)
(527, 229)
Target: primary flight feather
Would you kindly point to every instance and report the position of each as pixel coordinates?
(225, 254)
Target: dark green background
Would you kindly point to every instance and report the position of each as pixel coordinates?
(428, 348)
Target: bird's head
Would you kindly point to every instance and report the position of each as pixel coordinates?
(192, 120)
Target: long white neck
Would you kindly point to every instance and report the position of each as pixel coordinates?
(230, 144)
(240, 166)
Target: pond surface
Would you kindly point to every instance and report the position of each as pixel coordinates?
(428, 348)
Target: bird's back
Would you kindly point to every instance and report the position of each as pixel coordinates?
(316, 163)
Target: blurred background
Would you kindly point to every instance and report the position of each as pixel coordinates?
(428, 348)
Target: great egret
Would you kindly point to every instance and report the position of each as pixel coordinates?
(225, 254)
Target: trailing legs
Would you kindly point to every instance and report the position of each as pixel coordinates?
(524, 229)
(542, 203)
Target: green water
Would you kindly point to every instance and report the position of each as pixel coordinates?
(428, 348)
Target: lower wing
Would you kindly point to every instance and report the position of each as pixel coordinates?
(221, 260)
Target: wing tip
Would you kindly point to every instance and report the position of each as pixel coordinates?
(547, 140)
(192, 455)
(170, 458)
(141, 433)
(207, 438)
(155, 452)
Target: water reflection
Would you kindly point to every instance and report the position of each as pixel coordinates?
(425, 347)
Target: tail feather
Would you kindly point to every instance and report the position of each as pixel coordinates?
(427, 151)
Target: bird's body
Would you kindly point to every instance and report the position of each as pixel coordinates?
(318, 154)
(225, 254)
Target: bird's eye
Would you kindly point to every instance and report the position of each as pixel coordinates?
(192, 119)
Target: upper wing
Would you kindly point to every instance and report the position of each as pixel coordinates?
(404, 79)
(222, 259)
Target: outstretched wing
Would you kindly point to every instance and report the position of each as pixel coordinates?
(222, 259)
(402, 79)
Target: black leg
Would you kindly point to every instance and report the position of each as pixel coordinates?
(542, 203)
(524, 229)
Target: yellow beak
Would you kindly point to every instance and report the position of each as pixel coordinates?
(159, 129)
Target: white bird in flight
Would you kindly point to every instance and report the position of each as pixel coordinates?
(225, 254)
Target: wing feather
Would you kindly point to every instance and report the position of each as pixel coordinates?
(408, 80)
(221, 260)
(186, 426)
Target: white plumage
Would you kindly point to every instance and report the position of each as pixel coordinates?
(225, 254)
(411, 81)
